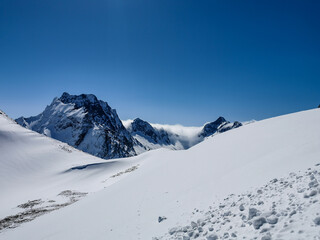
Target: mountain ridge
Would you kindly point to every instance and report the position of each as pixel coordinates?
(91, 125)
(175, 137)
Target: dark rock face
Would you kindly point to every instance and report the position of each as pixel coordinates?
(225, 128)
(211, 128)
(145, 130)
(86, 123)
(219, 126)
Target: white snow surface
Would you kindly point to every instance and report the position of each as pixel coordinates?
(126, 196)
(35, 166)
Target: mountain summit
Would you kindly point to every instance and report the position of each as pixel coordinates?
(84, 122)
(219, 126)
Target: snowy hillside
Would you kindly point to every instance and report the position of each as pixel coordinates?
(83, 122)
(33, 166)
(224, 187)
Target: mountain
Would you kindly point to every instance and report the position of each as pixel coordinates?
(153, 136)
(143, 128)
(260, 181)
(219, 126)
(147, 137)
(92, 126)
(84, 122)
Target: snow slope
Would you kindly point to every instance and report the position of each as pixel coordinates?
(34, 166)
(284, 208)
(170, 184)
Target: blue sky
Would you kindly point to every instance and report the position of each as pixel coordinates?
(166, 61)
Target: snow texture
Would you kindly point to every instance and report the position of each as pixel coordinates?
(283, 209)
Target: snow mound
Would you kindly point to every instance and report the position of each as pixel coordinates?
(284, 208)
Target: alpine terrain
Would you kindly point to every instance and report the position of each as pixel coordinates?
(92, 126)
(153, 136)
(259, 181)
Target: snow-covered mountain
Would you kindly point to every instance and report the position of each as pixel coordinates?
(260, 181)
(92, 126)
(219, 126)
(153, 136)
(147, 137)
(84, 122)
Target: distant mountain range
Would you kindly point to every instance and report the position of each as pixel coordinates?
(153, 136)
(92, 126)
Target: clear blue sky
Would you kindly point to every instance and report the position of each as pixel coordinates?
(166, 61)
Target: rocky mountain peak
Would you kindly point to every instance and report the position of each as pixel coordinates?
(219, 121)
(212, 127)
(79, 99)
(84, 122)
(144, 129)
(218, 126)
